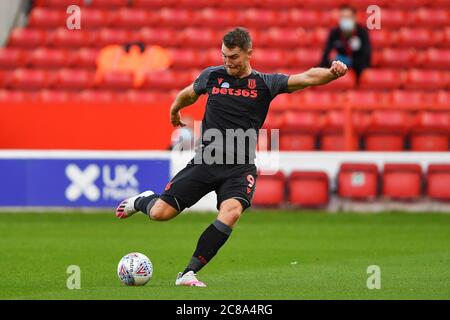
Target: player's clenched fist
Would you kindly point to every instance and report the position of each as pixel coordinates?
(338, 68)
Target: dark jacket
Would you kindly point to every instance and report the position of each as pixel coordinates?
(360, 58)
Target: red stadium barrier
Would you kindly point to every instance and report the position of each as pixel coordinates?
(78, 125)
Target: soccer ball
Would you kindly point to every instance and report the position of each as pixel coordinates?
(135, 269)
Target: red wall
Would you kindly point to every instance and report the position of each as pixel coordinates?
(100, 126)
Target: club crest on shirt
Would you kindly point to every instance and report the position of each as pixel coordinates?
(251, 83)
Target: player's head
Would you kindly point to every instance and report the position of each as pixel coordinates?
(347, 18)
(236, 51)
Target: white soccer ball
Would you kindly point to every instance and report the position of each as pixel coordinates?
(135, 269)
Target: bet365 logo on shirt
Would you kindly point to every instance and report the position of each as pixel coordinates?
(105, 182)
(225, 89)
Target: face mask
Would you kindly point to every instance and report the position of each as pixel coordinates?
(346, 24)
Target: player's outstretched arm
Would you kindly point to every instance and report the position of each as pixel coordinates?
(184, 98)
(316, 76)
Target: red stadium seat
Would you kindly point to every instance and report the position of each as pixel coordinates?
(199, 38)
(320, 35)
(437, 58)
(305, 58)
(438, 180)
(167, 80)
(398, 58)
(432, 18)
(161, 37)
(299, 130)
(425, 80)
(5, 78)
(27, 79)
(284, 38)
(303, 18)
(212, 57)
(394, 19)
(402, 181)
(86, 58)
(386, 130)
(58, 3)
(108, 4)
(95, 18)
(363, 4)
(72, 38)
(140, 97)
(50, 58)
(27, 38)
(440, 4)
(408, 4)
(96, 96)
(113, 36)
(445, 41)
(231, 3)
(332, 134)
(14, 96)
(322, 4)
(72, 79)
(261, 19)
(174, 18)
(12, 58)
(153, 4)
(184, 59)
(134, 18)
(441, 99)
(54, 96)
(358, 181)
(320, 100)
(277, 4)
(117, 80)
(401, 99)
(381, 38)
(381, 79)
(47, 18)
(213, 18)
(308, 188)
(270, 190)
(431, 131)
(367, 100)
(284, 102)
(415, 38)
(268, 59)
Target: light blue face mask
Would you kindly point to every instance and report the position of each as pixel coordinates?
(347, 25)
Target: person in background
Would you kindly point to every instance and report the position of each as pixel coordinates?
(350, 41)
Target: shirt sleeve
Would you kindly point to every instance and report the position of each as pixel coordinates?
(276, 82)
(201, 81)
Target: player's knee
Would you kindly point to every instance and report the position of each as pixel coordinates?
(160, 211)
(231, 212)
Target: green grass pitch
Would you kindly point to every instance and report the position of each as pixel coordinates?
(270, 255)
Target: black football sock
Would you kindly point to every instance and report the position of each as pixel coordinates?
(211, 240)
(144, 204)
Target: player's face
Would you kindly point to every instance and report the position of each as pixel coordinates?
(235, 60)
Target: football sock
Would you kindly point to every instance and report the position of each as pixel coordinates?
(211, 240)
(144, 204)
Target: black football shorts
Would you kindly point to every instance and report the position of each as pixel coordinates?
(229, 181)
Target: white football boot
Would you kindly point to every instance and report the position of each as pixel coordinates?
(126, 207)
(188, 279)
